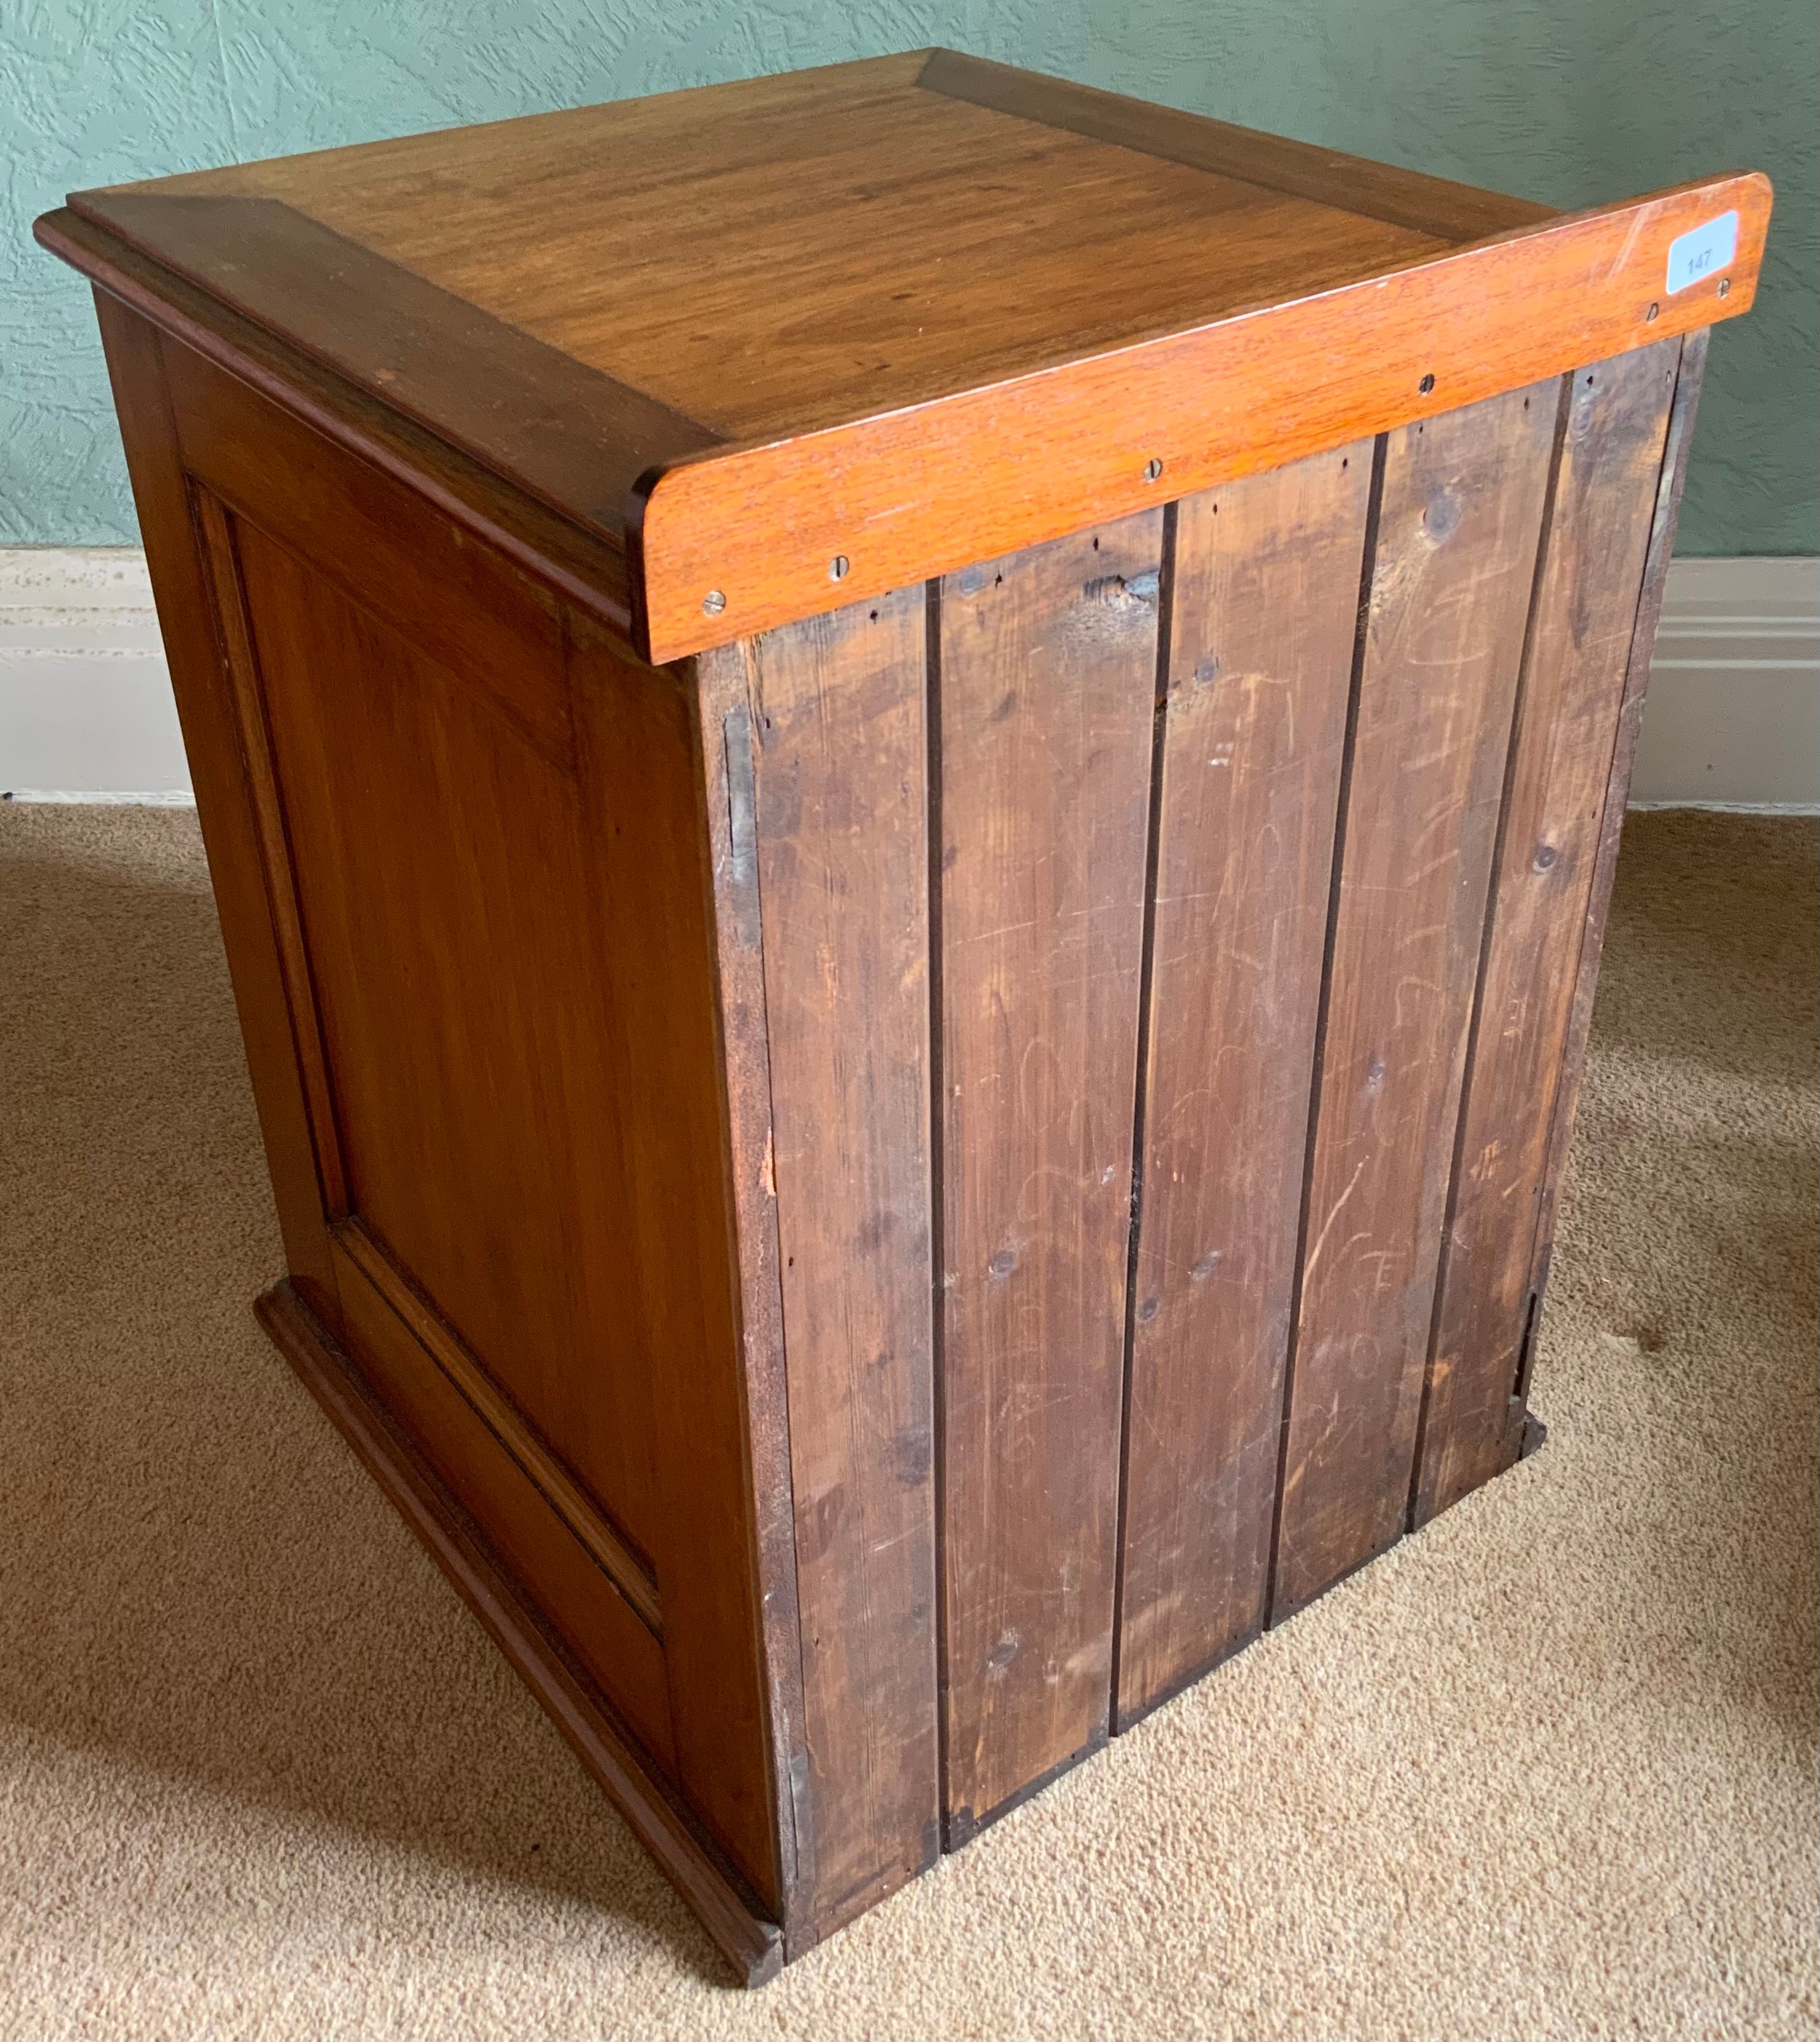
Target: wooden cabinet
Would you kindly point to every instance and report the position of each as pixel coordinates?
(912, 774)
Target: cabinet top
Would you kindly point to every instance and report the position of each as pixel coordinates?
(791, 342)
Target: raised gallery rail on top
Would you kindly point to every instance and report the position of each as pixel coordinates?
(740, 540)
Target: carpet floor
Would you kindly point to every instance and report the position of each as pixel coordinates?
(1547, 1768)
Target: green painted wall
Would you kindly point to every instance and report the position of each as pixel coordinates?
(1568, 100)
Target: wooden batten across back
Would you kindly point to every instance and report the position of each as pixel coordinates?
(1238, 1291)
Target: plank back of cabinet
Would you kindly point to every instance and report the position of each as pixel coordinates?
(1171, 938)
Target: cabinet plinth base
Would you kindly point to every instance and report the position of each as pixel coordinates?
(751, 1944)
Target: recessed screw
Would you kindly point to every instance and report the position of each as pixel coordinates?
(713, 603)
(1654, 312)
(1426, 384)
(1725, 287)
(1152, 468)
(837, 568)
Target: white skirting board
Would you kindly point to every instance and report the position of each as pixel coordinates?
(86, 707)
(1733, 719)
(86, 715)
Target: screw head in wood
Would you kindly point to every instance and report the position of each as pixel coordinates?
(1426, 384)
(1654, 313)
(837, 568)
(1725, 287)
(713, 603)
(1152, 468)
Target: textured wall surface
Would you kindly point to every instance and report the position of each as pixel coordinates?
(1565, 102)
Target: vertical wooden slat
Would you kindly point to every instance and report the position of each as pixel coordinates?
(1451, 582)
(1048, 679)
(1567, 726)
(1691, 374)
(722, 721)
(1263, 616)
(837, 725)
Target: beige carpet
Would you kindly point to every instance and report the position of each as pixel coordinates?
(1549, 1768)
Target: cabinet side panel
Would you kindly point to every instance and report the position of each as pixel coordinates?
(607, 1635)
(648, 901)
(224, 801)
(1452, 577)
(493, 822)
(835, 723)
(1567, 727)
(1263, 618)
(1048, 689)
(441, 879)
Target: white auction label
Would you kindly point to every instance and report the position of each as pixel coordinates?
(1701, 250)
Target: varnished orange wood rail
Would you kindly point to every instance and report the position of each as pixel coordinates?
(736, 540)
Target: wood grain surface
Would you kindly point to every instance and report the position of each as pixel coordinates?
(1451, 577)
(588, 568)
(560, 231)
(734, 1919)
(1060, 287)
(1690, 376)
(565, 1579)
(1451, 212)
(1573, 684)
(923, 490)
(885, 1195)
(719, 696)
(1262, 618)
(490, 822)
(1047, 684)
(210, 708)
(836, 722)
(438, 932)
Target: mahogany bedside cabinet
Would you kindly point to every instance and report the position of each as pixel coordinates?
(912, 774)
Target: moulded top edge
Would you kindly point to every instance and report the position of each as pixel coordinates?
(794, 340)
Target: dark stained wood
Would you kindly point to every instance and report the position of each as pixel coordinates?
(215, 528)
(1451, 578)
(646, 890)
(1328, 177)
(1573, 683)
(210, 713)
(1047, 681)
(381, 545)
(725, 1906)
(835, 720)
(721, 708)
(1690, 375)
(557, 1490)
(1263, 618)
